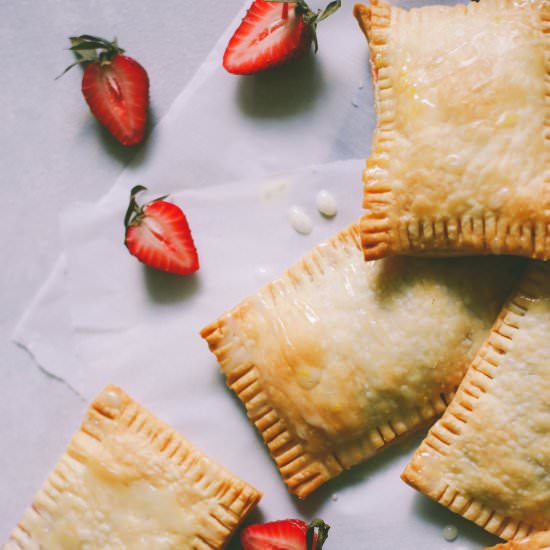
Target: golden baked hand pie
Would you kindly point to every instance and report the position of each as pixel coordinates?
(128, 481)
(460, 158)
(339, 357)
(540, 541)
(488, 457)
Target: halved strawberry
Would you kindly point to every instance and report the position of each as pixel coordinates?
(287, 534)
(115, 86)
(272, 33)
(158, 235)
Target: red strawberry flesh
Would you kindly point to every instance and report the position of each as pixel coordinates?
(159, 236)
(117, 93)
(289, 534)
(270, 34)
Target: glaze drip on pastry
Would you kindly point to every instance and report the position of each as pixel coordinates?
(488, 457)
(339, 357)
(129, 481)
(460, 155)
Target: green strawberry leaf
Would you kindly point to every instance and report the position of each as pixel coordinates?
(83, 55)
(134, 209)
(88, 45)
(85, 49)
(322, 534)
(331, 8)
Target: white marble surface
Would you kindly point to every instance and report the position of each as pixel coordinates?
(53, 154)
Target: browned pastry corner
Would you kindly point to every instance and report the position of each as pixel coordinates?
(461, 151)
(488, 456)
(540, 541)
(129, 480)
(339, 357)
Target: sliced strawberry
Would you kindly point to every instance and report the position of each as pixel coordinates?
(272, 33)
(158, 235)
(118, 96)
(115, 86)
(287, 534)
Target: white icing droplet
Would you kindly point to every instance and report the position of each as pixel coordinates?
(112, 399)
(326, 203)
(334, 498)
(300, 221)
(450, 533)
(354, 102)
(361, 85)
(261, 273)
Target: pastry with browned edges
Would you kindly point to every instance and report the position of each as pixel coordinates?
(461, 153)
(127, 480)
(488, 457)
(540, 541)
(340, 357)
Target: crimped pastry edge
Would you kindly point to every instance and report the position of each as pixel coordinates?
(477, 382)
(538, 541)
(235, 498)
(382, 234)
(303, 471)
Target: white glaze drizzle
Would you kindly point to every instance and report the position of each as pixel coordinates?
(300, 221)
(326, 203)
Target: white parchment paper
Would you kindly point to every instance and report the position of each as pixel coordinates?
(225, 128)
(123, 312)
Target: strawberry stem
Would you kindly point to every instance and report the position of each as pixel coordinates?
(134, 210)
(322, 534)
(310, 18)
(85, 48)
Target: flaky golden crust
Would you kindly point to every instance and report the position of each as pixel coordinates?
(460, 157)
(540, 541)
(487, 457)
(128, 480)
(323, 358)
